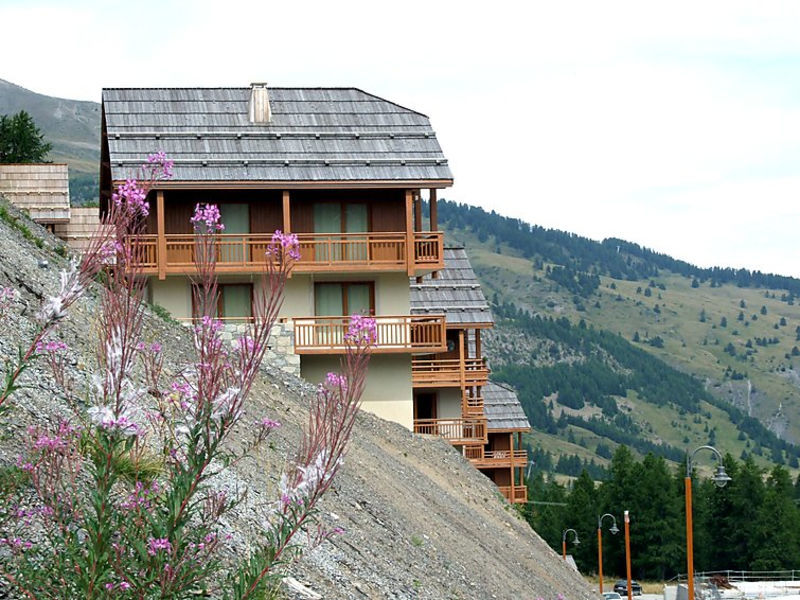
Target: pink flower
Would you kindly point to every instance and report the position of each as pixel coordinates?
(284, 244)
(206, 218)
(269, 423)
(162, 162)
(51, 346)
(131, 196)
(362, 330)
(334, 380)
(155, 545)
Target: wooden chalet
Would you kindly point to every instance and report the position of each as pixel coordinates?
(343, 169)
(41, 189)
(452, 389)
(504, 458)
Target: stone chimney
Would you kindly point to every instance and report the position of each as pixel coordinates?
(259, 109)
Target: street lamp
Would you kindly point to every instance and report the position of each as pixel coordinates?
(614, 530)
(575, 542)
(720, 478)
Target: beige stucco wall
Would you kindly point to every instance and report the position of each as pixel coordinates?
(388, 392)
(174, 294)
(448, 403)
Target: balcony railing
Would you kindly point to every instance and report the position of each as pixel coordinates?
(497, 459)
(411, 333)
(319, 252)
(449, 372)
(456, 431)
(518, 495)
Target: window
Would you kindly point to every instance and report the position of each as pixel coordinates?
(344, 298)
(346, 218)
(235, 301)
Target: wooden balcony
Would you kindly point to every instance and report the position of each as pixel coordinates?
(517, 494)
(449, 372)
(396, 334)
(500, 459)
(456, 431)
(345, 252)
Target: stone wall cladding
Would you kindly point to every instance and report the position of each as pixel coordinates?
(280, 353)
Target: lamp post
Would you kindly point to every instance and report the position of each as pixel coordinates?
(575, 542)
(720, 478)
(614, 530)
(628, 553)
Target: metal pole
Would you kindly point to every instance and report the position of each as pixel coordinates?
(600, 557)
(628, 553)
(689, 541)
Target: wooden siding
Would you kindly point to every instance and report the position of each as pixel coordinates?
(40, 189)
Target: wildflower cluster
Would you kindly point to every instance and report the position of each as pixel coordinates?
(125, 496)
(362, 330)
(207, 219)
(284, 244)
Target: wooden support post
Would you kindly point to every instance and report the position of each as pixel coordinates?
(478, 354)
(417, 212)
(462, 373)
(410, 232)
(161, 256)
(434, 216)
(287, 217)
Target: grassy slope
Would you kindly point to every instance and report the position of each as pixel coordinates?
(625, 311)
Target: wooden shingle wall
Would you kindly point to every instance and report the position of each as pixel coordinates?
(80, 228)
(40, 189)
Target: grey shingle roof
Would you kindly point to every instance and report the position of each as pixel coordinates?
(502, 408)
(316, 134)
(456, 292)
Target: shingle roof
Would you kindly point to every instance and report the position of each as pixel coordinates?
(316, 134)
(502, 408)
(456, 292)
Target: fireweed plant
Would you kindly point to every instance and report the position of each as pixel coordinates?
(119, 501)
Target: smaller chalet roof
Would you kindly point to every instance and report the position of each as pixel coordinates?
(502, 408)
(456, 292)
(315, 134)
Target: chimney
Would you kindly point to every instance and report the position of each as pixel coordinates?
(259, 109)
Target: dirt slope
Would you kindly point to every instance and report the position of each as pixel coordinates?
(419, 521)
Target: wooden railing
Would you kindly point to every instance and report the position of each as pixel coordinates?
(501, 458)
(324, 252)
(411, 333)
(446, 372)
(456, 431)
(472, 405)
(519, 495)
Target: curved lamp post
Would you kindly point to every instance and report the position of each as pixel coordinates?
(614, 530)
(575, 542)
(720, 478)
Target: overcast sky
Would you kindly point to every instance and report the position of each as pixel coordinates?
(675, 125)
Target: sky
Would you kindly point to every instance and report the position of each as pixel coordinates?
(673, 125)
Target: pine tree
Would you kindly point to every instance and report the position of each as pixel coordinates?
(20, 140)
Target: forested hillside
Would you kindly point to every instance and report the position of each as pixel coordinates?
(609, 343)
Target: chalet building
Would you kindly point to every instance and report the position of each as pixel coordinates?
(453, 397)
(343, 169)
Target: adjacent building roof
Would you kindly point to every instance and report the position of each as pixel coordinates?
(456, 292)
(502, 408)
(315, 134)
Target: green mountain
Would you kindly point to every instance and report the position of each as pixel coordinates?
(609, 343)
(72, 126)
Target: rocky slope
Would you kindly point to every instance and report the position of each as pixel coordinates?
(420, 522)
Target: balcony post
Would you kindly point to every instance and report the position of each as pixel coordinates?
(511, 445)
(287, 218)
(410, 232)
(161, 245)
(434, 218)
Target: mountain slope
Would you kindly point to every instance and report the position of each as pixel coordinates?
(72, 126)
(743, 393)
